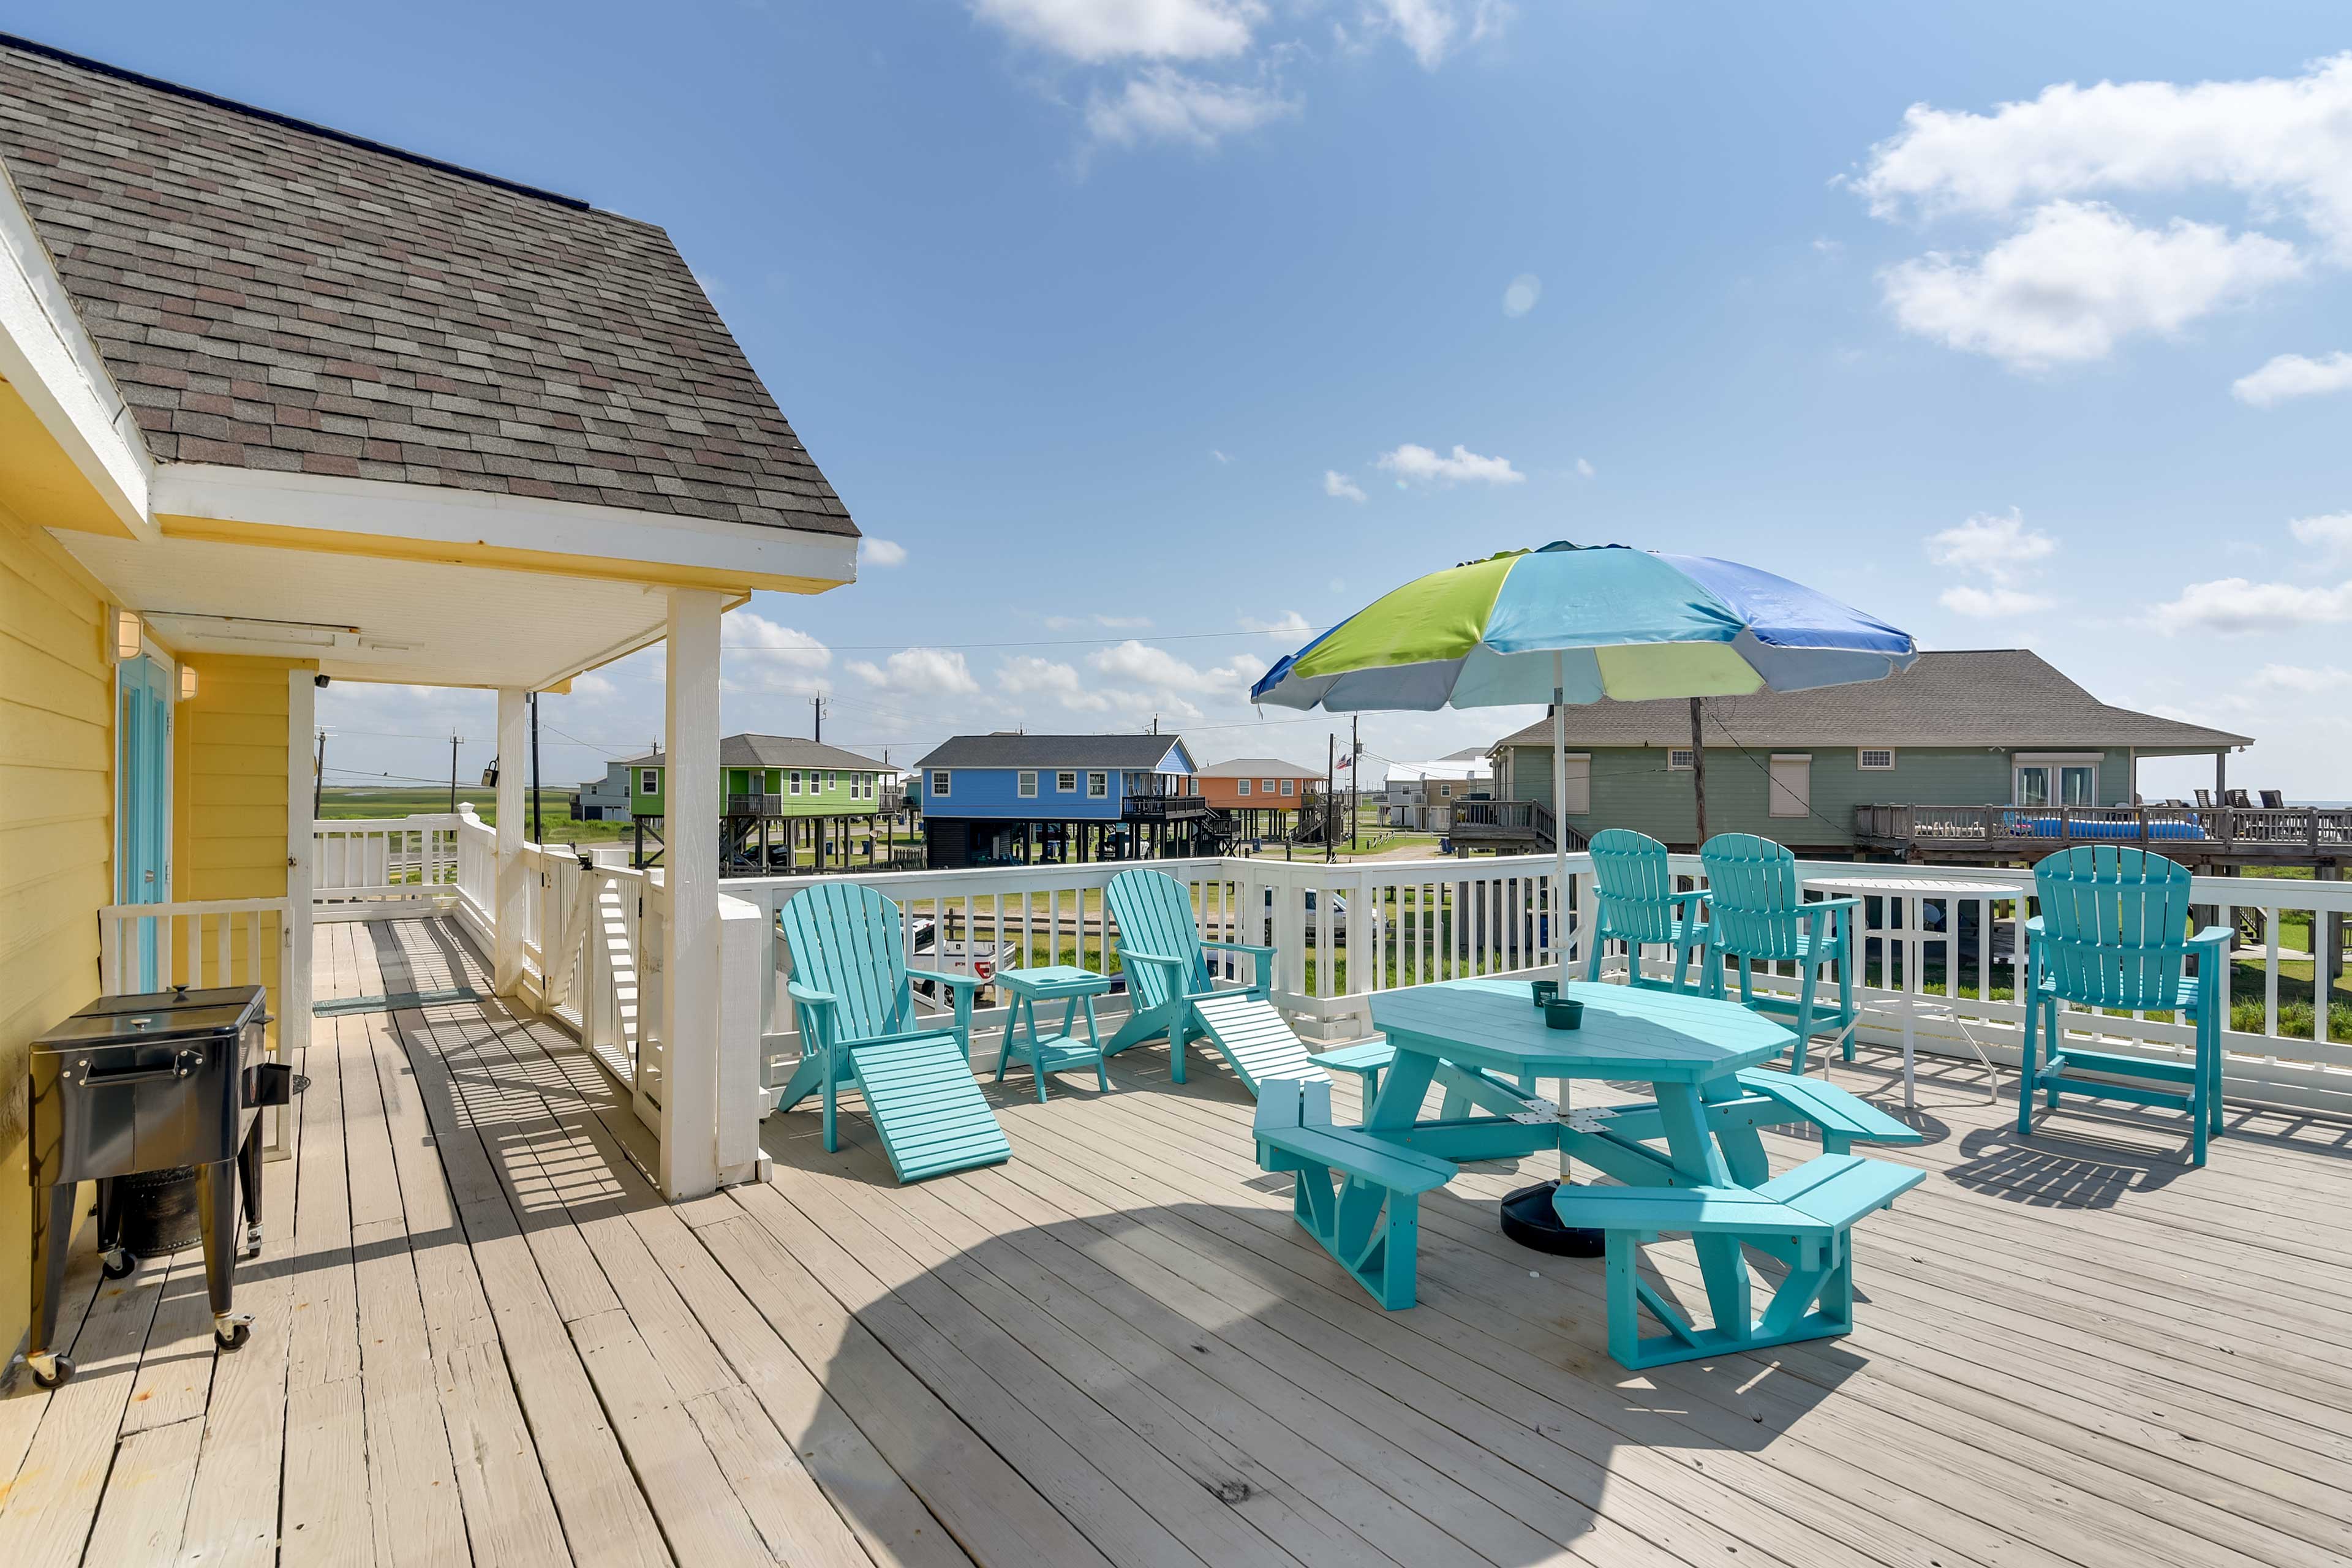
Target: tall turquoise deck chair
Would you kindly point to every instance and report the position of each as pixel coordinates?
(1639, 906)
(1757, 914)
(1169, 978)
(850, 990)
(2113, 934)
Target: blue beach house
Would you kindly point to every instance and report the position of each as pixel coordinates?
(1014, 799)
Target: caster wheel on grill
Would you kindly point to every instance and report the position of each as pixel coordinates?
(64, 1370)
(118, 1263)
(235, 1339)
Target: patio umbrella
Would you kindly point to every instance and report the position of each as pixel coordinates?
(1570, 624)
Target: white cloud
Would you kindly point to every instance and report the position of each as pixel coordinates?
(880, 552)
(1093, 31)
(2282, 143)
(919, 671)
(759, 654)
(2299, 678)
(1432, 29)
(2292, 376)
(1520, 296)
(1340, 487)
(1026, 676)
(1160, 104)
(1583, 469)
(2232, 605)
(2331, 534)
(594, 688)
(1992, 545)
(2077, 278)
(1411, 463)
(1219, 456)
(1986, 602)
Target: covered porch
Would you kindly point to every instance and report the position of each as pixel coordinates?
(482, 1335)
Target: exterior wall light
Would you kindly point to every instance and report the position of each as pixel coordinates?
(187, 683)
(126, 634)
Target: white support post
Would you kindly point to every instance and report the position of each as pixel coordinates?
(690, 1085)
(301, 878)
(512, 902)
(744, 957)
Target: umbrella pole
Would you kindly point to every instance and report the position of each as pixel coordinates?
(1560, 814)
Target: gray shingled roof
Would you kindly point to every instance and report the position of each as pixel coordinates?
(1980, 697)
(789, 751)
(270, 294)
(1125, 752)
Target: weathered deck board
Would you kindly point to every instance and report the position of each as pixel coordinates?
(479, 1336)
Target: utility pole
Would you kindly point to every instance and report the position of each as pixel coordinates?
(1698, 770)
(817, 732)
(1355, 776)
(537, 836)
(1330, 787)
(319, 784)
(453, 772)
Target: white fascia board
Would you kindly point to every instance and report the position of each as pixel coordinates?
(48, 358)
(388, 510)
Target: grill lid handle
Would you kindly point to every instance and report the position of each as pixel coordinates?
(181, 1066)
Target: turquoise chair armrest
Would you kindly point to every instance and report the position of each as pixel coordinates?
(1831, 904)
(2034, 926)
(1136, 956)
(810, 994)
(965, 983)
(2211, 936)
(1261, 968)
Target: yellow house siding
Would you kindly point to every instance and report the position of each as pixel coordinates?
(57, 840)
(229, 792)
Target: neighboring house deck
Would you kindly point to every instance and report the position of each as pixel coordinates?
(2201, 836)
(481, 1337)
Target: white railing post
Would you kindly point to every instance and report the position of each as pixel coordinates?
(743, 952)
(507, 915)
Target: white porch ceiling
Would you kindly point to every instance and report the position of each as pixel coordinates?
(368, 618)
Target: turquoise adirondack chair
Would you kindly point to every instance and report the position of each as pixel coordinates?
(2113, 934)
(1757, 914)
(1169, 978)
(852, 991)
(1639, 906)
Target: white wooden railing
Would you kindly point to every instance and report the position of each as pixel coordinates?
(1396, 923)
(205, 944)
(358, 864)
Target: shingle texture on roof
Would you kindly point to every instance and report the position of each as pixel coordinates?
(1129, 752)
(748, 751)
(267, 296)
(1981, 697)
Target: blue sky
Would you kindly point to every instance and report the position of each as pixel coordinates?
(1173, 319)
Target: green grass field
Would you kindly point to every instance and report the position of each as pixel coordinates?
(341, 805)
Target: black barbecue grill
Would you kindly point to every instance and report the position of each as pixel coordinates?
(131, 1085)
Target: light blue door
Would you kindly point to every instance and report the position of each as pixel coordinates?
(142, 818)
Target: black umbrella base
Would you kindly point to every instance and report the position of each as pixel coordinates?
(1529, 1219)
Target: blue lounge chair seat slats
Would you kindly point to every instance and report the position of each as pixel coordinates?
(1168, 976)
(850, 987)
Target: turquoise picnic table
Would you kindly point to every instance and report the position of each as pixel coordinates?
(1691, 1158)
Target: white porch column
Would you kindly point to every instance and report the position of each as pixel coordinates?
(301, 877)
(690, 1046)
(513, 899)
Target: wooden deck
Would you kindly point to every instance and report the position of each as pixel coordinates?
(480, 1337)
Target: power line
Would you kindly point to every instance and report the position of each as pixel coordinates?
(1023, 642)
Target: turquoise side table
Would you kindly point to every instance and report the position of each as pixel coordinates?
(1052, 1053)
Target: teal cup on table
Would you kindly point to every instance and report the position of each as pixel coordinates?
(1545, 990)
(1564, 1012)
